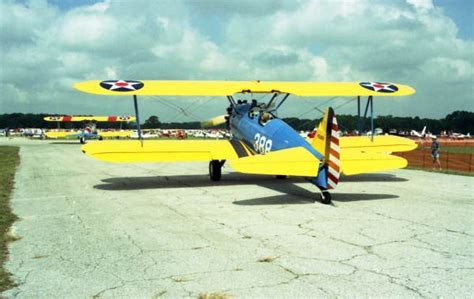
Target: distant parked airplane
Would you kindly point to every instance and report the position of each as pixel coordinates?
(89, 130)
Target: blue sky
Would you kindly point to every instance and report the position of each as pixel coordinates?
(48, 46)
(462, 13)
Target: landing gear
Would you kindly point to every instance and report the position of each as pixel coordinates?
(325, 196)
(215, 170)
(82, 140)
(281, 177)
(101, 138)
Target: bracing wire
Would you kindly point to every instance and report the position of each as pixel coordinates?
(180, 110)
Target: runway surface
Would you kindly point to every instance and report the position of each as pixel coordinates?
(96, 229)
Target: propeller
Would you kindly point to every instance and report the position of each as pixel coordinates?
(218, 120)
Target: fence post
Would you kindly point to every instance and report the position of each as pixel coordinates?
(447, 160)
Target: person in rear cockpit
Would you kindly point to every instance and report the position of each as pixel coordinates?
(265, 117)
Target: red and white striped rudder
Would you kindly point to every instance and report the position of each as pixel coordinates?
(333, 157)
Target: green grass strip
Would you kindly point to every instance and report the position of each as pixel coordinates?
(459, 149)
(9, 160)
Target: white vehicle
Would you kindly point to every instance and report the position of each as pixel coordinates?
(377, 131)
(144, 135)
(421, 134)
(199, 134)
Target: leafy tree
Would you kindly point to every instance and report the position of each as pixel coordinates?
(458, 121)
(152, 122)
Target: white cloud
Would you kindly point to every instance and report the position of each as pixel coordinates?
(423, 4)
(46, 50)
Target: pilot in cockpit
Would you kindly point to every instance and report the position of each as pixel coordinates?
(265, 117)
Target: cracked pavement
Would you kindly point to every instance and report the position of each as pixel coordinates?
(103, 230)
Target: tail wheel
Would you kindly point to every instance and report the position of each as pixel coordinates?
(215, 170)
(281, 177)
(82, 140)
(325, 197)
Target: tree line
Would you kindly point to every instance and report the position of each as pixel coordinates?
(457, 121)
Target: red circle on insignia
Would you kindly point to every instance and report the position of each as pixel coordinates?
(121, 84)
(378, 85)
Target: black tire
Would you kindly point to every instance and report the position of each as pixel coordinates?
(82, 140)
(215, 170)
(325, 197)
(281, 177)
(101, 138)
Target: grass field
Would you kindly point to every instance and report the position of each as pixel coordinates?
(453, 149)
(9, 159)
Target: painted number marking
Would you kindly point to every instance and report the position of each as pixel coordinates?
(262, 145)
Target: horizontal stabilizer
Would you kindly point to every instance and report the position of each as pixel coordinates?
(380, 144)
(227, 88)
(160, 150)
(358, 162)
(293, 161)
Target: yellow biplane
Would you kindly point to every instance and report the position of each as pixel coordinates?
(261, 143)
(89, 129)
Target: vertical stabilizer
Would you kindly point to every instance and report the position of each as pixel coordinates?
(326, 142)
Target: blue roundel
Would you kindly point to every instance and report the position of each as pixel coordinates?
(379, 87)
(121, 85)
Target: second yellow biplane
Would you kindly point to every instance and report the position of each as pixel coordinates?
(262, 143)
(89, 129)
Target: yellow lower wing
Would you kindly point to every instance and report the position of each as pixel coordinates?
(60, 134)
(160, 150)
(294, 161)
(358, 162)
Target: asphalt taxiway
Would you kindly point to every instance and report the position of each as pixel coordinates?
(95, 229)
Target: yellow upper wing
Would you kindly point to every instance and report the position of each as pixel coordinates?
(90, 118)
(224, 88)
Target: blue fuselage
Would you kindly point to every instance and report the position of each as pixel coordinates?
(246, 124)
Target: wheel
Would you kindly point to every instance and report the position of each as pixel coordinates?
(325, 197)
(215, 170)
(101, 138)
(281, 177)
(82, 140)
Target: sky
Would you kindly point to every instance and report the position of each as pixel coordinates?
(47, 46)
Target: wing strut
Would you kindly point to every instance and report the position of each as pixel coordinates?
(360, 126)
(135, 102)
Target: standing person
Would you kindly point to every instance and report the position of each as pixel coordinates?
(435, 153)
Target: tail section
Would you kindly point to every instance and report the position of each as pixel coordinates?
(326, 142)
